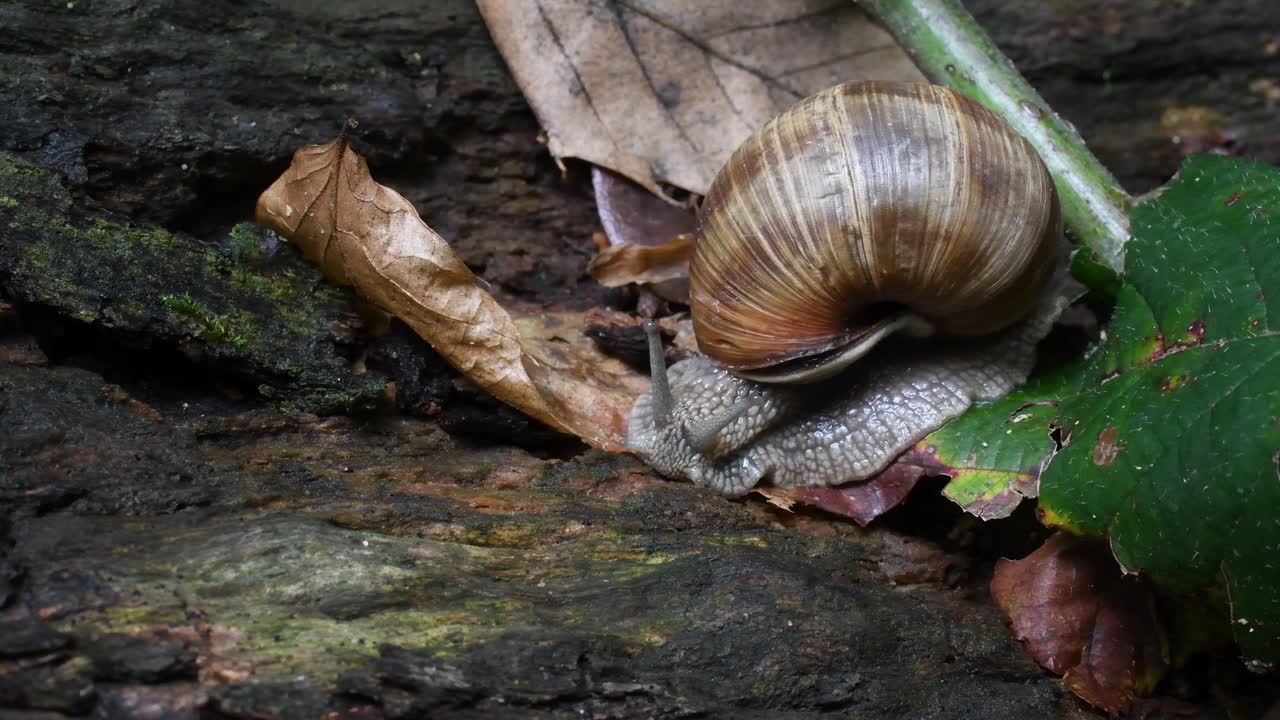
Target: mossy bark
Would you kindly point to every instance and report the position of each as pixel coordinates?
(245, 306)
(279, 565)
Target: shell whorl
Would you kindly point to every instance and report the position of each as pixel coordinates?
(864, 199)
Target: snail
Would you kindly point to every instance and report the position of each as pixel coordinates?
(866, 266)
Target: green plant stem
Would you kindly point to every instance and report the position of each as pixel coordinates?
(950, 48)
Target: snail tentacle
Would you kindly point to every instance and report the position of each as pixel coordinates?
(701, 434)
(660, 389)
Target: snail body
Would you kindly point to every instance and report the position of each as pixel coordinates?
(866, 212)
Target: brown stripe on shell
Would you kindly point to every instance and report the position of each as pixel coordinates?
(863, 195)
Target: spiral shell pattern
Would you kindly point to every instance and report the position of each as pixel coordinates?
(864, 200)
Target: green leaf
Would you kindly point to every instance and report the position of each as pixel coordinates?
(1173, 438)
(994, 454)
(1088, 268)
(1171, 427)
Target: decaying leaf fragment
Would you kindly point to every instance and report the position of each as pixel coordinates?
(618, 265)
(662, 91)
(368, 236)
(576, 380)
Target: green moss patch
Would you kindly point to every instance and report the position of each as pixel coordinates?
(247, 304)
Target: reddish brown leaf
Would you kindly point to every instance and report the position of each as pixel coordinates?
(1079, 616)
(632, 215)
(1105, 676)
(1051, 598)
(367, 235)
(861, 501)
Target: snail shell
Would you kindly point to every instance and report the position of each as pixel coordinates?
(867, 209)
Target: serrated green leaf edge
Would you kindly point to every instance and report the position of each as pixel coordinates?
(994, 454)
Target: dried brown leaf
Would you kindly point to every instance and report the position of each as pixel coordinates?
(1051, 598)
(662, 91)
(1105, 675)
(575, 379)
(368, 236)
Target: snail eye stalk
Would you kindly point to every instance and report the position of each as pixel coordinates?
(659, 388)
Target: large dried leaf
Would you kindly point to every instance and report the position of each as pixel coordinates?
(367, 235)
(664, 90)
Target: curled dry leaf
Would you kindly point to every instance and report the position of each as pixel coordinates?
(366, 235)
(574, 379)
(662, 91)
